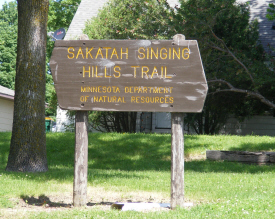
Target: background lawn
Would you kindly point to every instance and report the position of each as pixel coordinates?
(136, 167)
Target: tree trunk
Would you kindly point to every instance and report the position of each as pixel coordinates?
(133, 116)
(28, 142)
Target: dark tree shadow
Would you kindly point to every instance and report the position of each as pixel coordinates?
(44, 201)
(207, 166)
(127, 153)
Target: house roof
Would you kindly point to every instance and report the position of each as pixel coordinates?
(6, 93)
(86, 10)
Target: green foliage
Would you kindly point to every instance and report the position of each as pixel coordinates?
(221, 26)
(61, 13)
(229, 21)
(51, 98)
(129, 19)
(212, 118)
(271, 12)
(219, 107)
(228, 41)
(228, 44)
(8, 44)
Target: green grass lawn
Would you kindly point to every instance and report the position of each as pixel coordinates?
(137, 167)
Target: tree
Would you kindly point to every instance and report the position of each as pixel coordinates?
(128, 20)
(8, 43)
(8, 47)
(219, 108)
(28, 142)
(233, 60)
(61, 13)
(228, 43)
(232, 56)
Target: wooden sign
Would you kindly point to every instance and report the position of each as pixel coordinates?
(129, 75)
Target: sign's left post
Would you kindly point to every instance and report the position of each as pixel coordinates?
(81, 159)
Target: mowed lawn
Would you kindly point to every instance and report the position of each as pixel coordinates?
(136, 167)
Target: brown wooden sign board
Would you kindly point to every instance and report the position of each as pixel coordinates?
(129, 75)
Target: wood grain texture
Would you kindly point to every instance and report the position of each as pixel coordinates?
(177, 160)
(241, 156)
(154, 76)
(81, 159)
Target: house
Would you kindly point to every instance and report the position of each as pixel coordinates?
(161, 122)
(6, 109)
(265, 124)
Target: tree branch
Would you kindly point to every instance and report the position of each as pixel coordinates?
(231, 88)
(227, 50)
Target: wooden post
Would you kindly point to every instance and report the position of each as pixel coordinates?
(187, 79)
(81, 159)
(177, 160)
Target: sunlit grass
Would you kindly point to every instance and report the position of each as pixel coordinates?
(141, 163)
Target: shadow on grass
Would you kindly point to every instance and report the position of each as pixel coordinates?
(114, 151)
(124, 152)
(118, 151)
(44, 201)
(206, 166)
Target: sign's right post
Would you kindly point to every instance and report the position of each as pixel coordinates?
(177, 151)
(177, 160)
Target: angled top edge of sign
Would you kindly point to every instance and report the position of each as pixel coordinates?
(145, 43)
(129, 75)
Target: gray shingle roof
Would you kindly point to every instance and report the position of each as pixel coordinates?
(258, 10)
(6, 93)
(86, 10)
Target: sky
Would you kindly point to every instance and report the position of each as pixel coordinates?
(3, 1)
